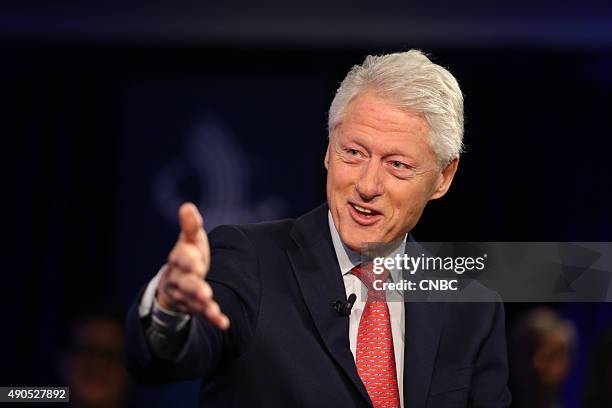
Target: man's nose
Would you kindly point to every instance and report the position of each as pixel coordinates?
(369, 185)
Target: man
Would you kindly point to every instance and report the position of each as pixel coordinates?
(251, 313)
(93, 364)
(542, 350)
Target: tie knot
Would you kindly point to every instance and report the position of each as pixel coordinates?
(367, 276)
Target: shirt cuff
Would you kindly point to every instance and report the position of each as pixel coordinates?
(167, 319)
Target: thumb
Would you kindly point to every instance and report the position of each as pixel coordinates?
(191, 222)
(192, 231)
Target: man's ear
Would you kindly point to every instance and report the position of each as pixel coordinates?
(326, 159)
(445, 179)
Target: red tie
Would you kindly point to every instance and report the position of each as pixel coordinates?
(375, 355)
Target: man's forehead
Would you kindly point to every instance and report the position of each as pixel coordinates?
(369, 109)
(403, 140)
(373, 103)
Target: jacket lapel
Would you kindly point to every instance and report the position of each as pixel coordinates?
(318, 274)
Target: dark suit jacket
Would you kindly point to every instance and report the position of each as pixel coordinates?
(287, 346)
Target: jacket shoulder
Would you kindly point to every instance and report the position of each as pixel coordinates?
(269, 232)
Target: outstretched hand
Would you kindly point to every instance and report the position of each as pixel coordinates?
(182, 287)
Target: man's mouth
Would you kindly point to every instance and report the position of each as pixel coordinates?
(363, 215)
(362, 210)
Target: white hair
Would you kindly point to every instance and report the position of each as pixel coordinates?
(411, 82)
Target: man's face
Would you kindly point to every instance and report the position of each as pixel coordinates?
(97, 376)
(381, 172)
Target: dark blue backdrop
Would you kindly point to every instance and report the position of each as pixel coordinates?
(103, 139)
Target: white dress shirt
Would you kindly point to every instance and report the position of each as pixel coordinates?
(347, 259)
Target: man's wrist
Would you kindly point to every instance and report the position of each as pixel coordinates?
(167, 319)
(166, 331)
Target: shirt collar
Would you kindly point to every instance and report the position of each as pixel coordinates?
(348, 259)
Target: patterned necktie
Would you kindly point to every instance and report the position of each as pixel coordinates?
(375, 354)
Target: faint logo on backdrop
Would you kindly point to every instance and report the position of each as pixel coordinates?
(214, 172)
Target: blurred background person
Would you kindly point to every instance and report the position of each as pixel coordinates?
(93, 365)
(598, 386)
(541, 349)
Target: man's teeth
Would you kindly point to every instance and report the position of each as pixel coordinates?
(361, 209)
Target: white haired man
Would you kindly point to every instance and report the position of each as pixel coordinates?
(251, 312)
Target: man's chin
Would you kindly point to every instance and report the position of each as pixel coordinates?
(353, 247)
(356, 242)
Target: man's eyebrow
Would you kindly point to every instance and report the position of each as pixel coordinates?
(394, 152)
(349, 140)
(355, 138)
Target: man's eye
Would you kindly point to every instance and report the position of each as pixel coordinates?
(353, 152)
(398, 165)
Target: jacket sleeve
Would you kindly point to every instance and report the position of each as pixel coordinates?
(234, 278)
(489, 386)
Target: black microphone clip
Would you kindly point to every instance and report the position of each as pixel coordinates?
(344, 308)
